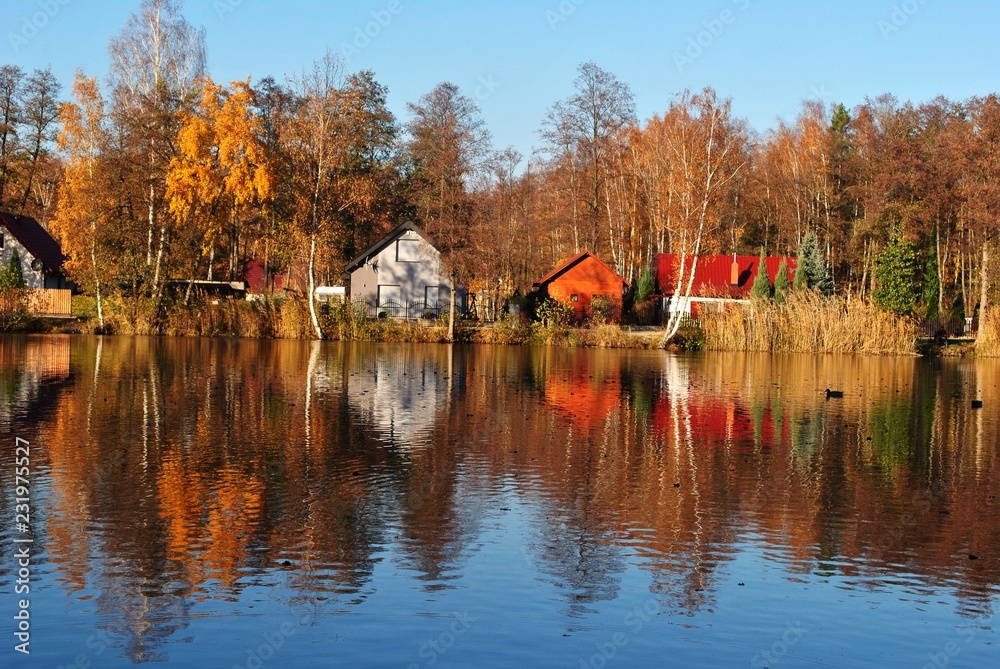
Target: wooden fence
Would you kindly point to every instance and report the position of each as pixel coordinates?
(50, 301)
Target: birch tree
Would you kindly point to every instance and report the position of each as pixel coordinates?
(707, 148)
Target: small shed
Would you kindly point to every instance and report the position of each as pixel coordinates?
(579, 280)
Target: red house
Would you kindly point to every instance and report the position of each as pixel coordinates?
(579, 280)
(717, 279)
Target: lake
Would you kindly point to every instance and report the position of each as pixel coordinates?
(238, 503)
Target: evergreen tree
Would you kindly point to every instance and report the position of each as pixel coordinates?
(896, 289)
(781, 282)
(762, 283)
(800, 282)
(813, 272)
(931, 284)
(644, 286)
(13, 274)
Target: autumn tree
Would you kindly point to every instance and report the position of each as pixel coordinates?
(11, 82)
(448, 146)
(82, 216)
(582, 134)
(157, 61)
(221, 175)
(707, 147)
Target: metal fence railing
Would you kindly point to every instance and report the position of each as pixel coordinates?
(945, 328)
(410, 311)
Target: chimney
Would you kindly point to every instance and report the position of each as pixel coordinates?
(734, 274)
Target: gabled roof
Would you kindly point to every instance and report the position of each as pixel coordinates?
(573, 262)
(713, 274)
(35, 239)
(381, 244)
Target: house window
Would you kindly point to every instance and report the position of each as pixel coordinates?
(407, 250)
(431, 296)
(574, 298)
(387, 294)
(1, 240)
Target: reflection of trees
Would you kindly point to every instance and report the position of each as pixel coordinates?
(188, 469)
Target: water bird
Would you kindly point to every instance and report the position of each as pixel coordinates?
(834, 393)
(977, 404)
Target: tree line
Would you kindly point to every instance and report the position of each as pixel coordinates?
(162, 173)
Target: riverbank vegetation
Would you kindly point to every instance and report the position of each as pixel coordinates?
(162, 173)
(808, 322)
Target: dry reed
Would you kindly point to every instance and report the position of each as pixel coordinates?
(807, 322)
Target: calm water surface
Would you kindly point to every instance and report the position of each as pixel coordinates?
(220, 503)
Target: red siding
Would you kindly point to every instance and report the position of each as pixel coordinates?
(584, 276)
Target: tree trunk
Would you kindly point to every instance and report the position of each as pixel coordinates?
(312, 287)
(451, 310)
(97, 277)
(985, 279)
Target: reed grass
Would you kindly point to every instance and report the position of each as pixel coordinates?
(807, 322)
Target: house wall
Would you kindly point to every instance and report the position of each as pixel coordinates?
(412, 277)
(585, 280)
(35, 279)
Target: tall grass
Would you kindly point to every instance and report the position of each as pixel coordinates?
(988, 342)
(807, 322)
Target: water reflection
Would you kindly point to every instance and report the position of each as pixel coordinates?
(181, 472)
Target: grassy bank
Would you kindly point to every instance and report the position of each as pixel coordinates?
(809, 323)
(288, 318)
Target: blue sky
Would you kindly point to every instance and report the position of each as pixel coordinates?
(518, 57)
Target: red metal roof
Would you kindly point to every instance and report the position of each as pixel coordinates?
(712, 276)
(33, 237)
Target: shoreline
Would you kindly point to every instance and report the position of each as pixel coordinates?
(501, 333)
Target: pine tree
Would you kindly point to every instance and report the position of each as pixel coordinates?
(801, 281)
(761, 289)
(13, 274)
(812, 267)
(781, 282)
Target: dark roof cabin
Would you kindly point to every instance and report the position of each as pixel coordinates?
(41, 257)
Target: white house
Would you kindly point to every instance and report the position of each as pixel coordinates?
(403, 268)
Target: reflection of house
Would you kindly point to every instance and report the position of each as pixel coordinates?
(399, 397)
(403, 267)
(41, 257)
(579, 280)
(717, 279)
(584, 399)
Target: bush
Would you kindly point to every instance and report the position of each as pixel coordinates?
(552, 313)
